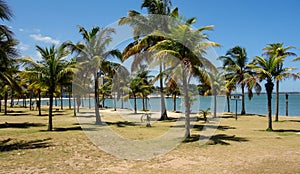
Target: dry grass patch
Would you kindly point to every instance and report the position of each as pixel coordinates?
(241, 146)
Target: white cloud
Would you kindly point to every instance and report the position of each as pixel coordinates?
(23, 47)
(46, 39)
(21, 29)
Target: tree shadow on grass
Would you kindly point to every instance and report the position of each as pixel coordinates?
(220, 127)
(201, 127)
(290, 121)
(287, 130)
(122, 123)
(74, 128)
(63, 129)
(21, 125)
(9, 145)
(221, 139)
(16, 113)
(170, 119)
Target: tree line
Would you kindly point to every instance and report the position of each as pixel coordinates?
(163, 39)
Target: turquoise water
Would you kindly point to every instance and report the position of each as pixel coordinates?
(258, 104)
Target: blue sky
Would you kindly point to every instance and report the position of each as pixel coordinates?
(251, 24)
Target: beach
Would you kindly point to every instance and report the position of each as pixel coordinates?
(237, 146)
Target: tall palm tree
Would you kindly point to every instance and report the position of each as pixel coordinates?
(52, 69)
(266, 69)
(144, 25)
(188, 47)
(277, 49)
(235, 63)
(93, 53)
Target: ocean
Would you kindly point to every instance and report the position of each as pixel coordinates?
(257, 105)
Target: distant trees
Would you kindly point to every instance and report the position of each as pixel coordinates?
(51, 70)
(93, 53)
(267, 69)
(277, 50)
(237, 72)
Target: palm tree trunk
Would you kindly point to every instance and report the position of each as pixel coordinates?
(103, 102)
(5, 102)
(25, 103)
(78, 101)
(243, 112)
(89, 101)
(98, 118)
(61, 98)
(55, 101)
(164, 115)
(122, 100)
(228, 103)
(269, 88)
(12, 99)
(215, 104)
(146, 99)
(74, 102)
(135, 109)
(277, 101)
(51, 91)
(115, 102)
(174, 101)
(187, 105)
(39, 102)
(82, 100)
(30, 100)
(143, 101)
(0, 104)
(69, 100)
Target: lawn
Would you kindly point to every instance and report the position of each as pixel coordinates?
(237, 146)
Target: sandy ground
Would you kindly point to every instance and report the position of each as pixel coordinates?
(237, 146)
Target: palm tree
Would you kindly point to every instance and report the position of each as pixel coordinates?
(235, 63)
(36, 85)
(205, 112)
(230, 86)
(215, 81)
(120, 83)
(146, 86)
(173, 90)
(52, 69)
(277, 49)
(105, 90)
(7, 63)
(135, 89)
(187, 46)
(267, 69)
(66, 80)
(143, 26)
(5, 14)
(93, 53)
